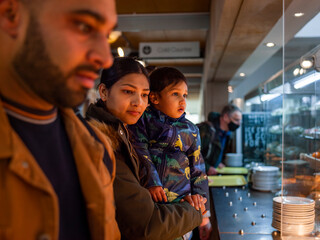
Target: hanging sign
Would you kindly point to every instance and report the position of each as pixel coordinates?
(169, 49)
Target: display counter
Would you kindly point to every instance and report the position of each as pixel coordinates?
(242, 213)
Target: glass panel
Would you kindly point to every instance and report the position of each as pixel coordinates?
(285, 109)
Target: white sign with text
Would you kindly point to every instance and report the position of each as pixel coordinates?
(169, 49)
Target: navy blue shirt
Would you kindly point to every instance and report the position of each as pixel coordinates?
(50, 146)
(223, 138)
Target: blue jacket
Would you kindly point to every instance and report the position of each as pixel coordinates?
(172, 148)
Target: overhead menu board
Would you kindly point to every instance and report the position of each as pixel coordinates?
(254, 136)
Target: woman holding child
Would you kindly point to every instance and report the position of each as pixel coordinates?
(124, 91)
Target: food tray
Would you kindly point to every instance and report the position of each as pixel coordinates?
(314, 162)
(226, 180)
(232, 170)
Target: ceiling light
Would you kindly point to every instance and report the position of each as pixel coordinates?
(142, 63)
(296, 72)
(298, 14)
(306, 80)
(301, 71)
(230, 89)
(113, 36)
(267, 97)
(270, 44)
(120, 52)
(242, 74)
(307, 63)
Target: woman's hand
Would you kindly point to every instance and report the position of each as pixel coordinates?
(158, 194)
(196, 201)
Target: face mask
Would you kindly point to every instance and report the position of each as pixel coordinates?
(232, 126)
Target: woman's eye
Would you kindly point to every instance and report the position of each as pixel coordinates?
(127, 91)
(145, 95)
(175, 94)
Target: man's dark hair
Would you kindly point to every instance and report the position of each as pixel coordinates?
(165, 76)
(229, 109)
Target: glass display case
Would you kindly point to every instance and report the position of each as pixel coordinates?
(288, 106)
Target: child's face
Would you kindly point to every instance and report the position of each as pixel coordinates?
(127, 98)
(172, 100)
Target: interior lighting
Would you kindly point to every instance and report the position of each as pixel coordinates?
(242, 74)
(301, 71)
(120, 52)
(113, 36)
(268, 97)
(142, 63)
(230, 89)
(270, 44)
(307, 63)
(296, 72)
(306, 80)
(299, 14)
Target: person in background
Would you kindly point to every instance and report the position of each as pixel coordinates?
(53, 181)
(124, 90)
(170, 143)
(215, 136)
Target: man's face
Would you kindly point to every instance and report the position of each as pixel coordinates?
(64, 47)
(235, 117)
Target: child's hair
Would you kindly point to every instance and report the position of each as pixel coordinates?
(165, 76)
(121, 67)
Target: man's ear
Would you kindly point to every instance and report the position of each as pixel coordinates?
(154, 98)
(225, 117)
(104, 92)
(9, 16)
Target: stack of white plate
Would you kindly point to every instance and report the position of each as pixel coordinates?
(265, 178)
(293, 215)
(234, 159)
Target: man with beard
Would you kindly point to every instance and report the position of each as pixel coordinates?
(215, 136)
(53, 182)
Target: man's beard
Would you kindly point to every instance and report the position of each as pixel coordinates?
(34, 66)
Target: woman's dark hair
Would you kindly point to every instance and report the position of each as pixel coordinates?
(165, 76)
(121, 67)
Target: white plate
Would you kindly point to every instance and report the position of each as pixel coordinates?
(289, 200)
(264, 188)
(265, 169)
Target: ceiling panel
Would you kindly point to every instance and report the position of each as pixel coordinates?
(133, 39)
(163, 6)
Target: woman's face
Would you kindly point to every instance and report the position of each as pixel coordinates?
(127, 98)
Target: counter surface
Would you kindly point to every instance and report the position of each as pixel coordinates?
(250, 211)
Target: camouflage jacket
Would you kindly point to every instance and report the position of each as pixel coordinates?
(172, 148)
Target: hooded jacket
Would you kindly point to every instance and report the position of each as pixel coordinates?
(28, 203)
(172, 148)
(138, 217)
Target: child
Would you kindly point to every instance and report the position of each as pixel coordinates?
(170, 142)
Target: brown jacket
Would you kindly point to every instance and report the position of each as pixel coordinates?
(28, 203)
(138, 216)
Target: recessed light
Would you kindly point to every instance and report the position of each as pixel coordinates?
(307, 63)
(270, 44)
(298, 14)
(296, 72)
(120, 51)
(242, 74)
(301, 71)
